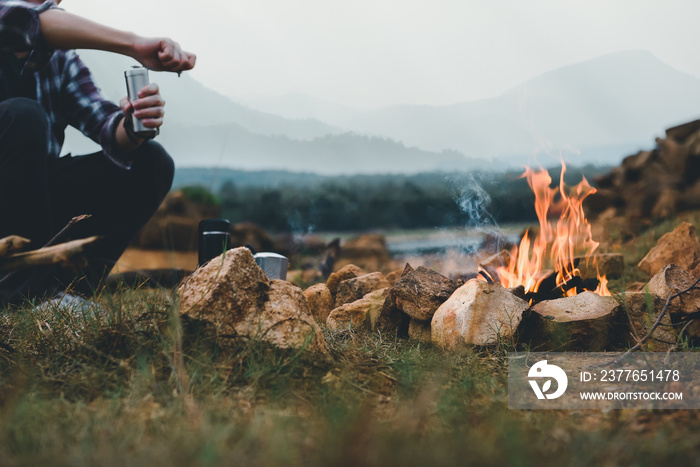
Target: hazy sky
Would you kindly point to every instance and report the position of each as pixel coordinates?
(373, 53)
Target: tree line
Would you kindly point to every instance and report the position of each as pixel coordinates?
(364, 202)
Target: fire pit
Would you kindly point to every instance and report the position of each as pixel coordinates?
(547, 262)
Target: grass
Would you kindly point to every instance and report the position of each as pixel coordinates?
(136, 386)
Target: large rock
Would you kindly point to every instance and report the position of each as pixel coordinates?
(583, 322)
(233, 294)
(354, 289)
(419, 293)
(320, 301)
(346, 272)
(679, 247)
(358, 313)
(477, 313)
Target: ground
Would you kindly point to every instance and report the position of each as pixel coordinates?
(135, 385)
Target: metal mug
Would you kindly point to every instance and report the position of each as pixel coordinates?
(273, 265)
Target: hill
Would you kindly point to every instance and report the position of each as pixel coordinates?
(615, 102)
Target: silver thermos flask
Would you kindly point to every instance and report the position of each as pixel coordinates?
(137, 79)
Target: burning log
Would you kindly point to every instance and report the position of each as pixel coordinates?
(549, 290)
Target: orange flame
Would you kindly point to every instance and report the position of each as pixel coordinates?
(555, 246)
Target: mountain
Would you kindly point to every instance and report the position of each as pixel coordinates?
(347, 153)
(616, 101)
(297, 105)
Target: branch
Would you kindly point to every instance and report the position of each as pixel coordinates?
(66, 254)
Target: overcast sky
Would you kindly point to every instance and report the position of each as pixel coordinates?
(371, 53)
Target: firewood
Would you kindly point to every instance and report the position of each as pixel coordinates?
(69, 254)
(12, 244)
(60, 237)
(582, 322)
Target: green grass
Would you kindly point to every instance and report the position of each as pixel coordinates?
(136, 386)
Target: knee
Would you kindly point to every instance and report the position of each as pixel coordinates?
(153, 164)
(23, 117)
(23, 132)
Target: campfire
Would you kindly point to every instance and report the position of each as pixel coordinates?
(546, 263)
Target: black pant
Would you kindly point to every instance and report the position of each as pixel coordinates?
(40, 195)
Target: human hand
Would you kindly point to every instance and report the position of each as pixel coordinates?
(148, 106)
(162, 54)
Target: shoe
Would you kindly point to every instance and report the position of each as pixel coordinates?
(73, 304)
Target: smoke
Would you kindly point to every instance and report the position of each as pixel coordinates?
(474, 201)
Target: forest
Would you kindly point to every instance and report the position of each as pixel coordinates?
(281, 201)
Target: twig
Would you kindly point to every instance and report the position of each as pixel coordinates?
(63, 233)
(658, 319)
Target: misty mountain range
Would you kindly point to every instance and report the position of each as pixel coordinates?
(604, 109)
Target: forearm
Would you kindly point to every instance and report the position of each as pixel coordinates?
(63, 30)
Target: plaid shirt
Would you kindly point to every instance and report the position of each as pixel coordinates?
(64, 86)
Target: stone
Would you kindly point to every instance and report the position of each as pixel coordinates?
(643, 309)
(419, 330)
(477, 313)
(320, 301)
(583, 322)
(233, 294)
(679, 247)
(286, 321)
(225, 290)
(610, 265)
(389, 320)
(394, 276)
(346, 272)
(419, 293)
(672, 280)
(358, 313)
(353, 289)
